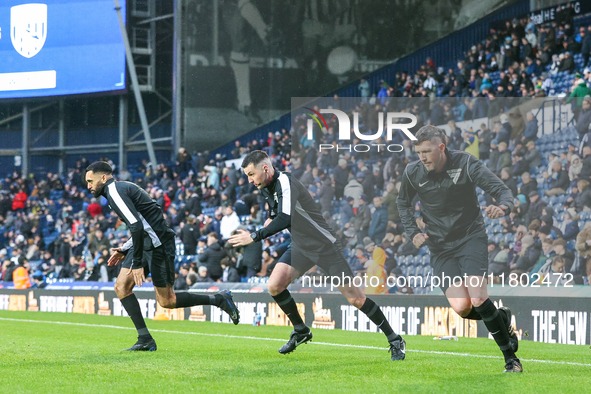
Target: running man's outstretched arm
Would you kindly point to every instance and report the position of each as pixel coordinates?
(491, 184)
(286, 202)
(404, 201)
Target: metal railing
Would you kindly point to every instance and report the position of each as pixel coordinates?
(561, 114)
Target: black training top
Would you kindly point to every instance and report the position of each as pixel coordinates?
(291, 207)
(449, 204)
(141, 214)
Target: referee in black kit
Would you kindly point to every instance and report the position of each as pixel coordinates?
(445, 181)
(149, 249)
(312, 243)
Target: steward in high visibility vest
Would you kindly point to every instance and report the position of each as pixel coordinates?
(20, 277)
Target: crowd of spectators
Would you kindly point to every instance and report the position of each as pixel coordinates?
(516, 60)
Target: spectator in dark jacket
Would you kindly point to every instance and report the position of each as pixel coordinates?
(528, 184)
(583, 198)
(508, 180)
(586, 46)
(531, 128)
(480, 109)
(584, 118)
(560, 181)
(325, 194)
(346, 210)
(586, 170)
(357, 259)
(570, 225)
(504, 158)
(230, 274)
(98, 241)
(8, 267)
(390, 203)
(525, 259)
(519, 164)
(341, 177)
(181, 280)
(193, 203)
(506, 130)
(484, 139)
(189, 235)
(203, 276)
(535, 207)
(503, 135)
(532, 156)
(568, 63)
(212, 256)
(363, 218)
(379, 221)
(497, 259)
(368, 184)
(494, 155)
(407, 248)
(559, 246)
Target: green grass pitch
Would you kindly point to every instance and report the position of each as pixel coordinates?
(72, 353)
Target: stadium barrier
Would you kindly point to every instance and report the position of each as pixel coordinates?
(541, 315)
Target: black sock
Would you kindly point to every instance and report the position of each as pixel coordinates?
(132, 307)
(473, 315)
(376, 315)
(495, 323)
(184, 299)
(288, 305)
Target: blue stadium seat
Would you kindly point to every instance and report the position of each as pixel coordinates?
(509, 237)
(180, 260)
(402, 261)
(35, 265)
(420, 271)
(423, 250)
(209, 211)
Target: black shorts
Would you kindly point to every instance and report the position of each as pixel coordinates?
(158, 261)
(468, 256)
(331, 259)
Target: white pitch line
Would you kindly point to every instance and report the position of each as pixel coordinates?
(283, 340)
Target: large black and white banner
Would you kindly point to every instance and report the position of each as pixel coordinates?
(243, 60)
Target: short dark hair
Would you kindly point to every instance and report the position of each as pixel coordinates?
(255, 158)
(430, 133)
(213, 235)
(100, 167)
(558, 259)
